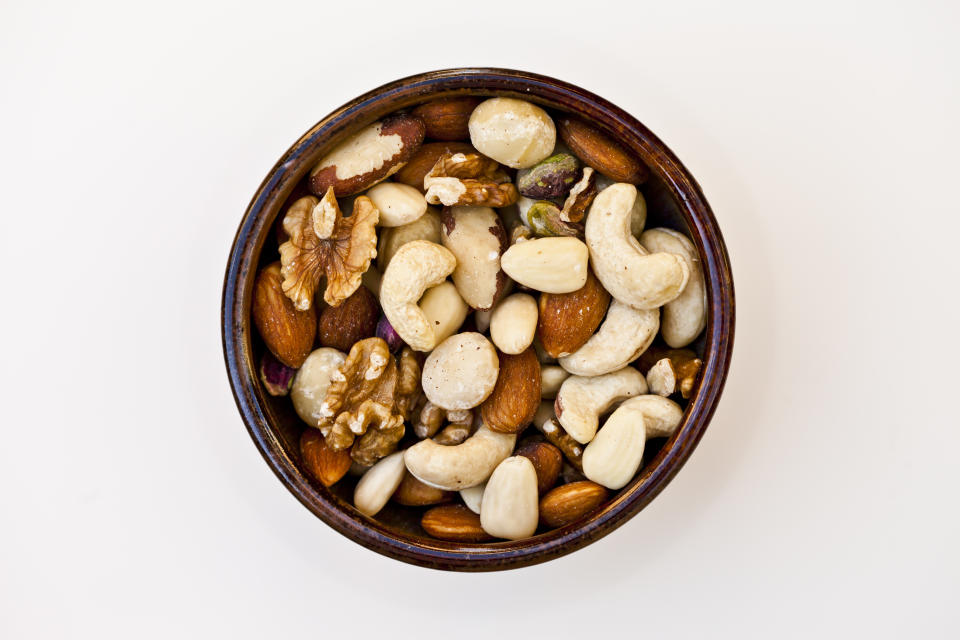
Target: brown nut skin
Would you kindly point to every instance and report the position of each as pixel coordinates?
(547, 462)
(323, 463)
(424, 159)
(598, 150)
(516, 394)
(447, 118)
(570, 502)
(413, 493)
(454, 522)
(287, 332)
(567, 320)
(411, 131)
(355, 319)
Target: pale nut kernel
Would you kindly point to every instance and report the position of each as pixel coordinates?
(444, 308)
(684, 317)
(461, 371)
(623, 266)
(475, 235)
(551, 265)
(481, 318)
(624, 335)
(510, 505)
(312, 381)
(378, 484)
(399, 204)
(582, 400)
(473, 496)
(513, 132)
(459, 466)
(551, 378)
(426, 227)
(513, 323)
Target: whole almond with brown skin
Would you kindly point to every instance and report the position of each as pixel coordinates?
(414, 493)
(447, 118)
(287, 332)
(598, 150)
(426, 156)
(547, 461)
(516, 394)
(353, 320)
(454, 522)
(323, 463)
(567, 320)
(570, 502)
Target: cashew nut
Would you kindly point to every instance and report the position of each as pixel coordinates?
(624, 335)
(426, 227)
(378, 484)
(473, 496)
(685, 316)
(510, 506)
(416, 266)
(461, 372)
(627, 271)
(614, 455)
(582, 400)
(444, 308)
(460, 466)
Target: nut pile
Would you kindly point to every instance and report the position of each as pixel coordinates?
(490, 279)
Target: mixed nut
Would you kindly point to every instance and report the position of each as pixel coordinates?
(490, 279)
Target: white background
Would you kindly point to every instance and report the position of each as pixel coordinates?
(822, 501)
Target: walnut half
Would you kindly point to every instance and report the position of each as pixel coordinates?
(459, 179)
(324, 242)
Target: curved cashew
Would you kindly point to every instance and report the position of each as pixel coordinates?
(582, 400)
(685, 316)
(378, 484)
(460, 466)
(624, 335)
(627, 271)
(614, 455)
(415, 267)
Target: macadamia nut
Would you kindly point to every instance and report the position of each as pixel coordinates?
(461, 372)
(311, 383)
(512, 132)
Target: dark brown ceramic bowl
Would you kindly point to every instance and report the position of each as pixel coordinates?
(674, 200)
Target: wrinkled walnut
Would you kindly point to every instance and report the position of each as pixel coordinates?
(558, 437)
(324, 242)
(361, 402)
(408, 387)
(670, 370)
(431, 418)
(459, 179)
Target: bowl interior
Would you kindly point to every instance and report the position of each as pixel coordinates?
(674, 201)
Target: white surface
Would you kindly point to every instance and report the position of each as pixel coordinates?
(822, 501)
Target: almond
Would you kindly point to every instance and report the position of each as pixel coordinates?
(447, 118)
(420, 163)
(368, 156)
(516, 395)
(547, 461)
(567, 320)
(570, 502)
(353, 320)
(596, 149)
(323, 463)
(413, 493)
(287, 332)
(454, 522)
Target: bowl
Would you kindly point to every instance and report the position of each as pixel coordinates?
(674, 200)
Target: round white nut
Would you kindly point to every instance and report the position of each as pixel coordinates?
(426, 227)
(582, 400)
(685, 316)
(512, 132)
(311, 382)
(461, 372)
(551, 379)
(510, 508)
(472, 496)
(416, 266)
(378, 484)
(457, 467)
(662, 378)
(624, 335)
(513, 324)
(399, 204)
(551, 265)
(623, 266)
(614, 455)
(477, 238)
(444, 308)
